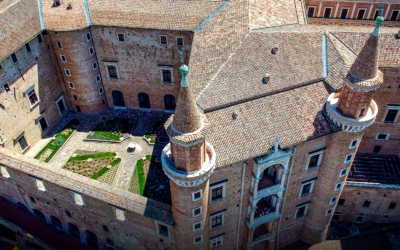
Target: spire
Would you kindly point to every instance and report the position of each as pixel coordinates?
(187, 117)
(366, 65)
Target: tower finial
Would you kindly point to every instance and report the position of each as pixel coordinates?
(379, 21)
(184, 70)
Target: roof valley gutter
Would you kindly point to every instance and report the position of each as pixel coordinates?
(208, 18)
(41, 15)
(324, 55)
(87, 12)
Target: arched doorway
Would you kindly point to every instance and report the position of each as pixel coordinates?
(271, 176)
(144, 100)
(258, 234)
(56, 222)
(39, 213)
(74, 231)
(91, 239)
(169, 102)
(118, 98)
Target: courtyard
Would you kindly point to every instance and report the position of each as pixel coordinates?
(119, 147)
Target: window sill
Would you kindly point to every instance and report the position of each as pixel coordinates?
(166, 236)
(25, 149)
(312, 168)
(216, 227)
(304, 195)
(116, 78)
(162, 82)
(34, 105)
(298, 217)
(219, 199)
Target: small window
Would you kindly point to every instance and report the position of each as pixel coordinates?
(112, 71)
(306, 189)
(392, 205)
(216, 242)
(179, 41)
(88, 37)
(105, 228)
(1, 66)
(120, 214)
(197, 211)
(68, 213)
(394, 16)
(366, 203)
(22, 143)
(217, 220)
(338, 186)
(43, 124)
(386, 216)
(348, 158)
(198, 239)
(32, 97)
(14, 58)
(163, 230)
(217, 193)
(63, 58)
(59, 44)
(32, 199)
(361, 13)
(359, 218)
(344, 13)
(98, 78)
(163, 40)
(327, 13)
(167, 75)
(336, 216)
(78, 109)
(329, 212)
(391, 116)
(377, 149)
(39, 38)
(197, 195)
(333, 200)
(301, 211)
(354, 143)
(197, 226)
(341, 202)
(314, 159)
(109, 242)
(61, 105)
(40, 185)
(101, 90)
(91, 51)
(103, 101)
(121, 37)
(311, 11)
(71, 85)
(95, 65)
(343, 172)
(75, 97)
(382, 137)
(4, 172)
(28, 47)
(6, 87)
(78, 199)
(67, 72)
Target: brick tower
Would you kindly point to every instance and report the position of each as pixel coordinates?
(188, 161)
(353, 110)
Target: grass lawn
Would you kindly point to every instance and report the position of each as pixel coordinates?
(105, 169)
(140, 175)
(148, 137)
(54, 145)
(111, 129)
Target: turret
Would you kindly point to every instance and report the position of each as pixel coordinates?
(188, 161)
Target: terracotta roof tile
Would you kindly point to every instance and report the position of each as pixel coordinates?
(62, 19)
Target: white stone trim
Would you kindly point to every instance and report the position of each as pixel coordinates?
(341, 186)
(311, 188)
(201, 195)
(4, 171)
(387, 136)
(39, 184)
(201, 239)
(101, 91)
(98, 78)
(78, 198)
(334, 200)
(347, 156)
(357, 142)
(67, 72)
(222, 220)
(61, 98)
(329, 212)
(115, 64)
(192, 133)
(65, 58)
(215, 239)
(120, 214)
(194, 209)
(69, 85)
(95, 65)
(86, 36)
(347, 15)
(342, 175)
(194, 226)
(358, 11)
(223, 185)
(91, 49)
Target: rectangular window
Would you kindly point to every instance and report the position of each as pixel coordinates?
(179, 41)
(59, 44)
(63, 58)
(197, 226)
(391, 116)
(6, 87)
(198, 239)
(98, 78)
(344, 13)
(14, 58)
(95, 65)
(216, 193)
(4, 172)
(327, 13)
(341, 202)
(101, 90)
(382, 136)
(333, 200)
(216, 220)
(348, 158)
(67, 72)
(166, 75)
(394, 16)
(336, 216)
(120, 214)
(121, 37)
(78, 109)
(361, 13)
(362, 112)
(43, 124)
(39, 38)
(163, 230)
(306, 190)
(311, 11)
(40, 184)
(216, 242)
(392, 205)
(377, 149)
(301, 211)
(71, 85)
(163, 40)
(313, 161)
(329, 212)
(359, 218)
(343, 172)
(112, 71)
(91, 51)
(75, 98)
(32, 97)
(307, 187)
(78, 199)
(366, 203)
(386, 216)
(197, 211)
(105, 228)
(27, 47)
(61, 105)
(197, 195)
(354, 143)
(338, 186)
(88, 37)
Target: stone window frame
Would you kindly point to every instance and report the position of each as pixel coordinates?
(305, 210)
(123, 35)
(358, 10)
(18, 137)
(61, 98)
(315, 7)
(341, 174)
(67, 72)
(201, 239)
(158, 224)
(387, 136)
(69, 85)
(347, 15)
(334, 200)
(222, 212)
(12, 56)
(98, 78)
(313, 153)
(59, 45)
(95, 65)
(28, 47)
(39, 183)
(101, 90)
(4, 171)
(74, 195)
(201, 195)
(37, 120)
(194, 209)
(122, 212)
(86, 36)
(194, 226)
(171, 69)
(223, 185)
(312, 182)
(346, 160)
(166, 37)
(94, 51)
(61, 57)
(329, 212)
(216, 238)
(351, 143)
(115, 64)
(183, 41)
(330, 14)
(388, 107)
(26, 92)
(386, 216)
(398, 14)
(341, 186)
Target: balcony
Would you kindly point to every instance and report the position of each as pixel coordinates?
(266, 209)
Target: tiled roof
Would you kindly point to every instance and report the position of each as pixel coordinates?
(152, 14)
(19, 23)
(62, 19)
(298, 60)
(296, 115)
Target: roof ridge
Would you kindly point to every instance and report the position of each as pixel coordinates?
(336, 49)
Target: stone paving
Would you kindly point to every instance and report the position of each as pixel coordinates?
(128, 162)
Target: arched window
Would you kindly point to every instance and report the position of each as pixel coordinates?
(73, 230)
(39, 213)
(118, 98)
(91, 239)
(56, 222)
(169, 102)
(144, 100)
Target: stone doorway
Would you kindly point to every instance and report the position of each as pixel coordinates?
(118, 98)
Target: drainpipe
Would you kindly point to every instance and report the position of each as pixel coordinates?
(240, 207)
(284, 199)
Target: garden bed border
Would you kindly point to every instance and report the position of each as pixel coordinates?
(73, 134)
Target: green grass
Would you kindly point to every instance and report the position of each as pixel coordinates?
(115, 162)
(141, 179)
(148, 137)
(107, 135)
(105, 169)
(85, 157)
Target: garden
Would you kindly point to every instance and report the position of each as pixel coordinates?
(155, 133)
(149, 180)
(55, 144)
(100, 166)
(112, 130)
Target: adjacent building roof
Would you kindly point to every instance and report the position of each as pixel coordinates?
(19, 23)
(63, 17)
